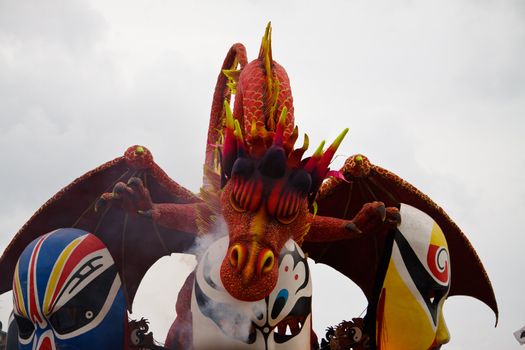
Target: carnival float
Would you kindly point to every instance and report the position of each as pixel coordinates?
(75, 266)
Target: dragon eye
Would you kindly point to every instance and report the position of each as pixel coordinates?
(285, 220)
(286, 207)
(235, 204)
(246, 194)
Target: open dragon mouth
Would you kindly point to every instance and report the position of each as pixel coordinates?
(288, 328)
(282, 332)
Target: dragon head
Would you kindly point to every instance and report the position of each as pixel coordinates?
(267, 187)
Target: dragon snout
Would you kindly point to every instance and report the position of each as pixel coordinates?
(250, 263)
(249, 271)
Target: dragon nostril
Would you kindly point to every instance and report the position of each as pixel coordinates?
(265, 262)
(234, 256)
(268, 263)
(237, 256)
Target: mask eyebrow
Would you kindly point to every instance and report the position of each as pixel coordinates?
(87, 269)
(424, 282)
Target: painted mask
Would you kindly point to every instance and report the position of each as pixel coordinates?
(416, 284)
(67, 295)
(280, 321)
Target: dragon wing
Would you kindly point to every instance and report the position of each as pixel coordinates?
(134, 241)
(359, 259)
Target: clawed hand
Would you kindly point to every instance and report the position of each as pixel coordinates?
(132, 197)
(374, 217)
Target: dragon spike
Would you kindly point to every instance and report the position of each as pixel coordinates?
(279, 132)
(293, 137)
(295, 157)
(233, 77)
(265, 52)
(229, 115)
(314, 159)
(265, 56)
(253, 131)
(241, 149)
(329, 153)
(319, 151)
(306, 142)
(237, 131)
(229, 149)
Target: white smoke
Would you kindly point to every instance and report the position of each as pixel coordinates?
(222, 318)
(203, 242)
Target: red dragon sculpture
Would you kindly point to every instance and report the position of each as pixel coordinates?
(263, 188)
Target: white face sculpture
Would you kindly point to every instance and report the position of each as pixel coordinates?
(417, 282)
(280, 321)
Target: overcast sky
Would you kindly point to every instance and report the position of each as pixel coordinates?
(432, 90)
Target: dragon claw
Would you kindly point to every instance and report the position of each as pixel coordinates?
(393, 217)
(350, 226)
(101, 202)
(381, 210)
(118, 190)
(132, 196)
(146, 213)
(106, 197)
(374, 216)
(135, 182)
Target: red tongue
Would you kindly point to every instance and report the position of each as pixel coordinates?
(46, 344)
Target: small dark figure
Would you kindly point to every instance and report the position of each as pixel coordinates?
(140, 339)
(347, 335)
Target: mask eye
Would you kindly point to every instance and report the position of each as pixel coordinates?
(435, 295)
(85, 306)
(25, 327)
